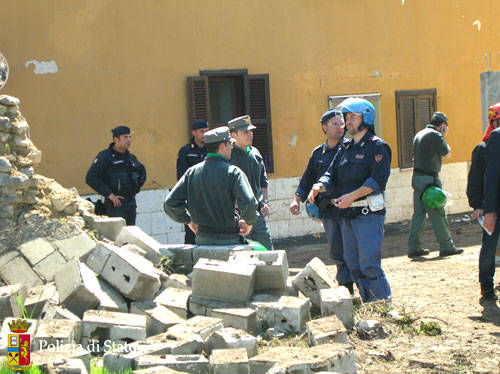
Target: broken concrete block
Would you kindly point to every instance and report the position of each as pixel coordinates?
(62, 353)
(110, 299)
(178, 281)
(56, 332)
(50, 265)
(77, 286)
(176, 300)
(201, 306)
(75, 247)
(10, 298)
(338, 301)
(159, 318)
(108, 227)
(99, 256)
(131, 274)
(284, 313)
(229, 361)
(17, 270)
(36, 250)
(229, 337)
(195, 364)
(326, 330)
(112, 326)
(53, 311)
(223, 281)
(218, 252)
(67, 366)
(200, 325)
(240, 318)
(134, 235)
(180, 343)
(37, 298)
(313, 278)
(325, 357)
(272, 268)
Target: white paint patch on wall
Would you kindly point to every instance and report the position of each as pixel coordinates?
(293, 141)
(43, 67)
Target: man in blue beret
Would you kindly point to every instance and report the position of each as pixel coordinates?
(189, 155)
(332, 124)
(118, 175)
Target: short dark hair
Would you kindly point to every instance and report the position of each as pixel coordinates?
(213, 147)
(437, 121)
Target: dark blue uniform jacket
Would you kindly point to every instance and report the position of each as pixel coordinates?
(188, 156)
(366, 163)
(492, 174)
(320, 160)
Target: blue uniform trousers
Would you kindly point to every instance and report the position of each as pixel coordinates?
(362, 238)
(487, 257)
(334, 238)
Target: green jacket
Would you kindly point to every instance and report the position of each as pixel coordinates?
(206, 195)
(253, 166)
(429, 146)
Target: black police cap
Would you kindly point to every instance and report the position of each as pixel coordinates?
(120, 130)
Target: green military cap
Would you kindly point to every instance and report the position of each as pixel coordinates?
(241, 123)
(219, 134)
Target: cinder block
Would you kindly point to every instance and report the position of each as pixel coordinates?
(284, 313)
(195, 364)
(200, 325)
(217, 252)
(75, 247)
(201, 306)
(99, 256)
(37, 298)
(326, 330)
(180, 343)
(131, 274)
(134, 249)
(108, 227)
(157, 370)
(45, 358)
(68, 366)
(338, 301)
(178, 281)
(176, 300)
(229, 361)
(112, 326)
(240, 318)
(110, 299)
(9, 300)
(56, 332)
(36, 250)
(134, 235)
(272, 268)
(231, 338)
(77, 286)
(50, 265)
(53, 311)
(18, 270)
(159, 318)
(223, 281)
(313, 278)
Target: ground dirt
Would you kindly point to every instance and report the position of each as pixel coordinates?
(442, 290)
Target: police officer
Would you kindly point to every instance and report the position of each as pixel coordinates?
(429, 146)
(248, 159)
(189, 155)
(118, 175)
(332, 124)
(205, 197)
(475, 189)
(360, 176)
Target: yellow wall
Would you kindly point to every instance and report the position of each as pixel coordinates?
(127, 62)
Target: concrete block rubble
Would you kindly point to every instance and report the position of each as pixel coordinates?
(91, 286)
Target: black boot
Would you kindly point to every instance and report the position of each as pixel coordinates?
(349, 286)
(488, 292)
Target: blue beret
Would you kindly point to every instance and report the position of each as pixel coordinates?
(329, 114)
(199, 124)
(120, 130)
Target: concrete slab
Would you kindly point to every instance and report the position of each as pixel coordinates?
(9, 300)
(195, 364)
(286, 313)
(36, 250)
(231, 338)
(176, 300)
(159, 318)
(202, 326)
(77, 286)
(313, 278)
(272, 268)
(229, 361)
(56, 331)
(338, 301)
(18, 270)
(50, 265)
(223, 281)
(240, 318)
(326, 330)
(75, 247)
(37, 298)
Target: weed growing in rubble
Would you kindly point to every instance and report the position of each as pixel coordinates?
(430, 328)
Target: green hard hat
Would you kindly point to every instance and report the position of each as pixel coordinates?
(434, 197)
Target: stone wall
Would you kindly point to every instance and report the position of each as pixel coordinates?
(399, 196)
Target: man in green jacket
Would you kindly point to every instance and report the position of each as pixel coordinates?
(248, 159)
(205, 197)
(429, 147)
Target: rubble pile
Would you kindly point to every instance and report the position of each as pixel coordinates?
(90, 286)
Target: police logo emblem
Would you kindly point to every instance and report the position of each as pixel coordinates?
(18, 348)
(378, 158)
(4, 70)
